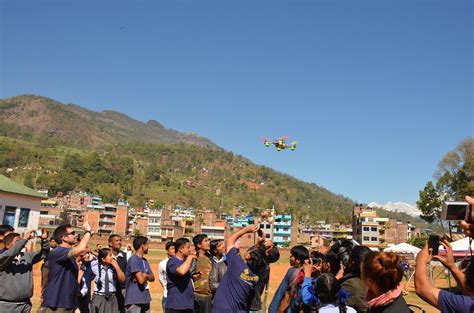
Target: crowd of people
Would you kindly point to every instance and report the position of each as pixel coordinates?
(213, 276)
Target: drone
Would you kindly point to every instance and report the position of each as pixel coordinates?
(280, 143)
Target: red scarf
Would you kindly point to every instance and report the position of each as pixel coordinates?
(384, 299)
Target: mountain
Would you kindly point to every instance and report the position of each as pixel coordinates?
(397, 207)
(46, 144)
(43, 120)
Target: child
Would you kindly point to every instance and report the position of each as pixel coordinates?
(326, 295)
(138, 274)
(107, 272)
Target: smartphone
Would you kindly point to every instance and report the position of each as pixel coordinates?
(38, 233)
(316, 261)
(433, 243)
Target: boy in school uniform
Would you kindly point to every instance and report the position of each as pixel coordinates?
(138, 274)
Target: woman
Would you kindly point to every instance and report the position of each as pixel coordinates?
(285, 294)
(219, 267)
(107, 273)
(382, 274)
(352, 282)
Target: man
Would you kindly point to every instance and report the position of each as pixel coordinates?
(61, 291)
(5, 230)
(442, 299)
(115, 243)
(202, 291)
(16, 271)
(271, 256)
(298, 255)
(137, 276)
(237, 288)
(179, 284)
(169, 247)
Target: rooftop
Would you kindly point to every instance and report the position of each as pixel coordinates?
(11, 186)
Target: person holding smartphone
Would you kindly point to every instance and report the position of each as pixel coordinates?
(16, 270)
(442, 299)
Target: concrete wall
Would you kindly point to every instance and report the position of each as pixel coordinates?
(18, 202)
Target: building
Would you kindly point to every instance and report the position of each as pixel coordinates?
(154, 224)
(267, 228)
(20, 206)
(282, 229)
(213, 232)
(365, 225)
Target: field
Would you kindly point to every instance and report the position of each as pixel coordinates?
(278, 270)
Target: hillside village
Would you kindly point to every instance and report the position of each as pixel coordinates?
(161, 224)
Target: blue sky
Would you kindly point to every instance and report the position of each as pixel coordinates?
(375, 92)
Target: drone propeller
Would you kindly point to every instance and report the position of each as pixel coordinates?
(265, 139)
(283, 137)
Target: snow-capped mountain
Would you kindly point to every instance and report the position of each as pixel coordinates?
(397, 207)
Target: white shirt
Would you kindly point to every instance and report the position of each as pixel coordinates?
(331, 308)
(162, 276)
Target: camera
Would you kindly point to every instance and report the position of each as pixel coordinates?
(456, 211)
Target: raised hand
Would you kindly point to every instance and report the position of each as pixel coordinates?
(86, 226)
(448, 259)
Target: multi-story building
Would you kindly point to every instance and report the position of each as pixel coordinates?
(213, 232)
(267, 228)
(282, 229)
(154, 224)
(365, 226)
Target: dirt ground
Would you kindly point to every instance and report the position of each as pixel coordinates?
(278, 270)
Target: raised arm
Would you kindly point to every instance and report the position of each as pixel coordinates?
(184, 268)
(44, 252)
(9, 255)
(82, 246)
(423, 287)
(230, 242)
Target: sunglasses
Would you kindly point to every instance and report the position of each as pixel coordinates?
(71, 233)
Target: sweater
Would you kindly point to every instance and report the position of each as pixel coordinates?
(16, 271)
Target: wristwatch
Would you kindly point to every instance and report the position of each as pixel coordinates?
(88, 231)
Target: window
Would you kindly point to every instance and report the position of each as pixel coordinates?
(9, 216)
(267, 235)
(267, 226)
(366, 228)
(262, 226)
(43, 212)
(374, 239)
(366, 238)
(24, 217)
(373, 228)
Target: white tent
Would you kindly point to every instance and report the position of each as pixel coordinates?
(460, 247)
(404, 248)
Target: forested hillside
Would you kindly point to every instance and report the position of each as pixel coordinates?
(46, 144)
(171, 174)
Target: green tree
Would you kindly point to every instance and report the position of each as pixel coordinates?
(430, 203)
(28, 181)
